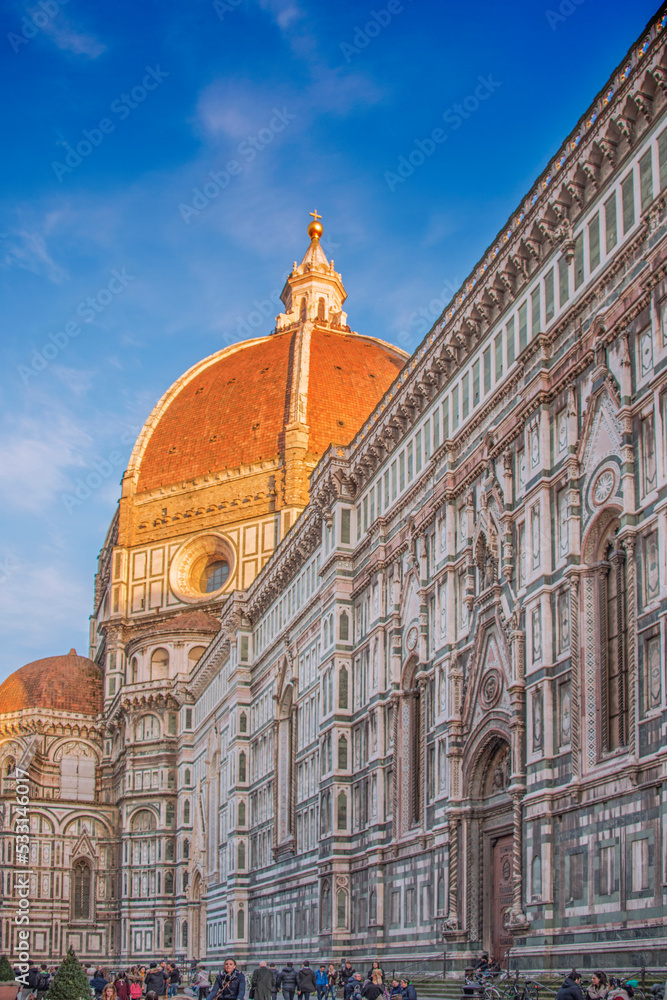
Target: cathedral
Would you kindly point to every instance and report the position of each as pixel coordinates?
(377, 652)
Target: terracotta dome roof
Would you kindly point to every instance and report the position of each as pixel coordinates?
(69, 683)
(231, 409)
(188, 621)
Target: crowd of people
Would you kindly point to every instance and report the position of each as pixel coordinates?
(163, 980)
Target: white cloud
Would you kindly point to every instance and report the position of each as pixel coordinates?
(27, 248)
(34, 457)
(69, 39)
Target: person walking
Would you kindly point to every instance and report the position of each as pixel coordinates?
(305, 981)
(286, 981)
(332, 976)
(261, 984)
(122, 986)
(201, 983)
(322, 982)
(274, 988)
(174, 980)
(229, 984)
(43, 981)
(345, 973)
(97, 983)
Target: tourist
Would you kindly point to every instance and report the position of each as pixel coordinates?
(332, 976)
(122, 985)
(174, 980)
(599, 987)
(97, 983)
(346, 972)
(261, 984)
(286, 981)
(109, 992)
(395, 990)
(202, 983)
(134, 980)
(305, 981)
(229, 984)
(322, 982)
(371, 990)
(151, 995)
(571, 988)
(274, 988)
(353, 987)
(155, 980)
(43, 981)
(408, 992)
(375, 974)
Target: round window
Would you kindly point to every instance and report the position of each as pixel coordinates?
(203, 567)
(214, 576)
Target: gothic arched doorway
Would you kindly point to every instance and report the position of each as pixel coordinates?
(491, 847)
(198, 921)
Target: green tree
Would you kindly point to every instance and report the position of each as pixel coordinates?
(70, 981)
(6, 971)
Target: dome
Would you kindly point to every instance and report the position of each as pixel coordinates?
(232, 409)
(69, 683)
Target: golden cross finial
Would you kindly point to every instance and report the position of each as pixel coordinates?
(315, 215)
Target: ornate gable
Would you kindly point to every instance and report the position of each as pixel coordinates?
(600, 450)
(487, 687)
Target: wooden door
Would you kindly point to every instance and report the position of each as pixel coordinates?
(501, 896)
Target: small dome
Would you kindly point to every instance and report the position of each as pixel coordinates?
(69, 683)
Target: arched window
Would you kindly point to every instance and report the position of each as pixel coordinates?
(186, 849)
(168, 933)
(302, 310)
(134, 670)
(344, 627)
(536, 876)
(147, 728)
(81, 891)
(8, 769)
(372, 907)
(241, 813)
(441, 894)
(321, 309)
(326, 905)
(169, 883)
(184, 934)
(342, 687)
(341, 909)
(243, 723)
(194, 654)
(159, 665)
(614, 647)
(187, 778)
(242, 766)
(326, 632)
(341, 813)
(169, 814)
(169, 851)
(342, 753)
(171, 779)
(186, 812)
(240, 855)
(240, 924)
(143, 820)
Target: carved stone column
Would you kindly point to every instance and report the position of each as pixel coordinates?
(631, 644)
(422, 789)
(575, 681)
(452, 921)
(292, 788)
(517, 922)
(396, 704)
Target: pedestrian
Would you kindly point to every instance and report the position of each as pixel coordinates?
(109, 992)
(322, 982)
(261, 984)
(97, 983)
(42, 982)
(346, 972)
(274, 988)
(229, 984)
(154, 981)
(174, 980)
(201, 983)
(151, 995)
(571, 988)
(286, 981)
(305, 981)
(408, 992)
(122, 985)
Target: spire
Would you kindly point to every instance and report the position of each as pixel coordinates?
(313, 291)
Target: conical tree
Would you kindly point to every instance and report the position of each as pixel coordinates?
(6, 971)
(70, 981)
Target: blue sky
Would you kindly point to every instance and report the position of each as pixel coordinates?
(111, 260)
